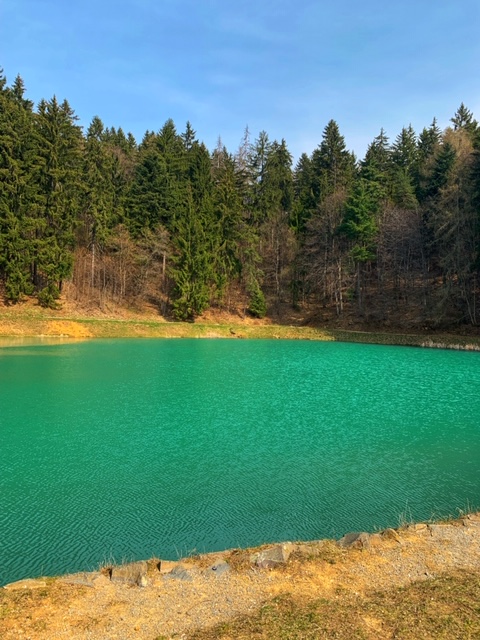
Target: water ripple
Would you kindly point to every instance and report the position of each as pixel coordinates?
(123, 450)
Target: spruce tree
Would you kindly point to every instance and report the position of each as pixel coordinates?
(404, 169)
(98, 213)
(376, 164)
(257, 164)
(17, 191)
(58, 196)
(428, 143)
(333, 165)
(195, 237)
(304, 199)
(360, 226)
(463, 119)
(228, 214)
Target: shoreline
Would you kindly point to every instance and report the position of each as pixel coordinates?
(34, 323)
(350, 540)
(221, 595)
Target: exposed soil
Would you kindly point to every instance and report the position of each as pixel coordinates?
(177, 607)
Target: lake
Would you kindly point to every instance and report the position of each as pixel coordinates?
(127, 449)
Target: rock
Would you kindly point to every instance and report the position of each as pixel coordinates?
(86, 579)
(421, 526)
(314, 549)
(355, 540)
(154, 565)
(181, 572)
(166, 566)
(132, 573)
(272, 557)
(28, 583)
(436, 529)
(376, 540)
(101, 581)
(218, 569)
(391, 534)
(308, 550)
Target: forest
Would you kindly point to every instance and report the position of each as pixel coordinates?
(392, 239)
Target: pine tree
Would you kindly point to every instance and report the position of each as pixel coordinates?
(147, 202)
(158, 189)
(257, 164)
(278, 179)
(98, 203)
(192, 268)
(228, 213)
(360, 226)
(276, 236)
(404, 152)
(58, 193)
(428, 143)
(189, 136)
(404, 169)
(463, 119)
(442, 167)
(304, 199)
(376, 164)
(16, 188)
(333, 166)
(195, 238)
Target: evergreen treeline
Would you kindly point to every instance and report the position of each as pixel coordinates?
(394, 236)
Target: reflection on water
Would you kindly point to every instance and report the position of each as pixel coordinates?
(24, 341)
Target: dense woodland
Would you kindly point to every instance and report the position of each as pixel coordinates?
(393, 238)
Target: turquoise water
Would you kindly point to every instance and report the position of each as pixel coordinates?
(119, 450)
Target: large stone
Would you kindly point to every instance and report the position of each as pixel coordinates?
(218, 569)
(355, 540)
(134, 573)
(101, 581)
(86, 579)
(315, 548)
(182, 572)
(391, 534)
(167, 566)
(272, 557)
(421, 526)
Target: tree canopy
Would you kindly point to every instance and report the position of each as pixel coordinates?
(396, 234)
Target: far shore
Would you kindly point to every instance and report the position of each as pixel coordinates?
(31, 324)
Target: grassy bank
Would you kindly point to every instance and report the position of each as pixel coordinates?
(33, 321)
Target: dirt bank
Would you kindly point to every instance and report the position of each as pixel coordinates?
(28, 320)
(191, 598)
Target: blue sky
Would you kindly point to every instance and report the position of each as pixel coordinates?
(283, 66)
